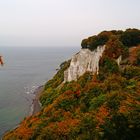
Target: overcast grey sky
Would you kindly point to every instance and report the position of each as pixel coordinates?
(62, 22)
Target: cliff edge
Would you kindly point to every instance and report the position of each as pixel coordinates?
(94, 96)
(84, 61)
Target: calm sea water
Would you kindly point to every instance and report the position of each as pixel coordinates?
(25, 69)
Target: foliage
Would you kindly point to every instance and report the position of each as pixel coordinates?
(109, 65)
(131, 72)
(138, 58)
(59, 76)
(97, 102)
(51, 90)
(101, 107)
(115, 48)
(94, 41)
(121, 127)
(130, 37)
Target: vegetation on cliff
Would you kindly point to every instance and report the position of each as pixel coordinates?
(95, 107)
(130, 37)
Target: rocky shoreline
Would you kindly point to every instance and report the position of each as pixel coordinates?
(36, 106)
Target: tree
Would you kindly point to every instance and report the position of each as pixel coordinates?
(131, 37)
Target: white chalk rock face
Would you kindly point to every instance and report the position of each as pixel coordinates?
(119, 60)
(84, 61)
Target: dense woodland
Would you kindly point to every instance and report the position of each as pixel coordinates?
(129, 38)
(95, 107)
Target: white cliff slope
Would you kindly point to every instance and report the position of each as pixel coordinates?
(119, 60)
(84, 61)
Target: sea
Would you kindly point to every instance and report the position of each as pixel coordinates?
(25, 69)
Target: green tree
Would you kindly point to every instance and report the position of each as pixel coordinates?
(131, 37)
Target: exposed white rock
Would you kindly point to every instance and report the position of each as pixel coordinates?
(119, 59)
(84, 61)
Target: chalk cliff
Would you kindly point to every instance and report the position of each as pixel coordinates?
(93, 107)
(84, 61)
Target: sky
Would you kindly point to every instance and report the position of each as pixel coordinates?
(52, 23)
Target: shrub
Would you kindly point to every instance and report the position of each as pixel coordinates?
(131, 72)
(68, 103)
(131, 37)
(97, 102)
(82, 80)
(108, 66)
(94, 41)
(113, 100)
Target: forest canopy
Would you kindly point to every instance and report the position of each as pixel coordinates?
(129, 37)
(103, 106)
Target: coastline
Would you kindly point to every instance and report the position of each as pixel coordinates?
(36, 106)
